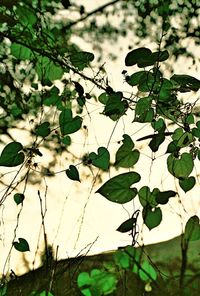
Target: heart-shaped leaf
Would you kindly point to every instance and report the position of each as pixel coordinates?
(151, 216)
(156, 141)
(118, 190)
(187, 184)
(72, 173)
(143, 57)
(180, 167)
(11, 155)
(137, 55)
(18, 198)
(148, 198)
(22, 245)
(186, 82)
(101, 159)
(127, 225)
(43, 129)
(68, 124)
(192, 229)
(125, 156)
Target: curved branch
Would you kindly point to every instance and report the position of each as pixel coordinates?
(58, 60)
(99, 9)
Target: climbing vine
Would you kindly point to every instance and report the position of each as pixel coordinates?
(34, 55)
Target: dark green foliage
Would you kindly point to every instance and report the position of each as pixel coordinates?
(18, 198)
(118, 189)
(36, 50)
(72, 173)
(22, 245)
(12, 155)
(101, 159)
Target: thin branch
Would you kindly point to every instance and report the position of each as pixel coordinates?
(58, 60)
(99, 9)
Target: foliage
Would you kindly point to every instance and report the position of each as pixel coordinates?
(37, 50)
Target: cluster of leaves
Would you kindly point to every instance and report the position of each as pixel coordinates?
(104, 281)
(145, 18)
(159, 103)
(35, 52)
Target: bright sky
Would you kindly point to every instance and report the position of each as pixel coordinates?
(75, 217)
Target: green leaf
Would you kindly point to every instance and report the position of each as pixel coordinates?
(122, 259)
(21, 52)
(147, 272)
(143, 57)
(180, 167)
(152, 58)
(137, 55)
(48, 70)
(43, 130)
(163, 197)
(104, 282)
(72, 173)
(186, 82)
(187, 184)
(118, 190)
(151, 216)
(156, 141)
(18, 198)
(160, 55)
(146, 82)
(148, 198)
(51, 98)
(135, 78)
(3, 290)
(22, 245)
(114, 106)
(165, 90)
(125, 156)
(81, 59)
(172, 147)
(26, 15)
(98, 282)
(143, 110)
(192, 229)
(159, 125)
(68, 124)
(66, 140)
(196, 130)
(101, 159)
(11, 155)
(83, 279)
(103, 98)
(182, 138)
(127, 225)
